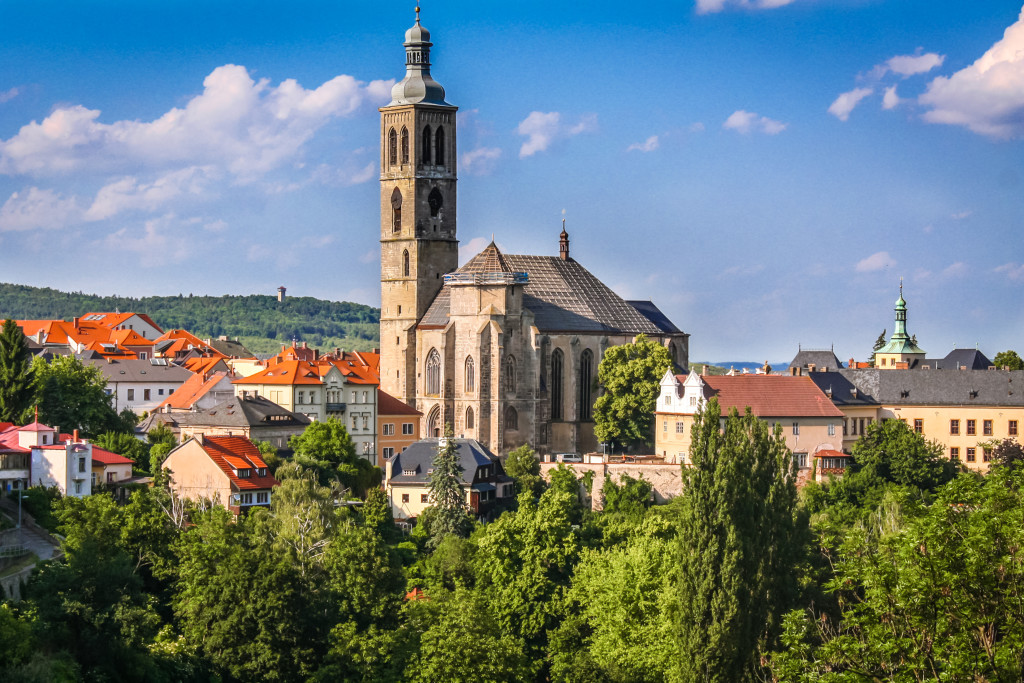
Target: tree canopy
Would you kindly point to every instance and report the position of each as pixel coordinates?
(17, 379)
(1008, 359)
(630, 375)
(73, 396)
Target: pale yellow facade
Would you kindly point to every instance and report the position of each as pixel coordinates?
(970, 430)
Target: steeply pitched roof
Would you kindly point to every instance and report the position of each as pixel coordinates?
(927, 387)
(232, 453)
(287, 372)
(194, 388)
(418, 459)
(247, 411)
(972, 359)
(653, 313)
(770, 395)
(562, 295)
(821, 360)
(389, 405)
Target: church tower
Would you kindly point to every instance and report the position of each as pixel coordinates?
(417, 210)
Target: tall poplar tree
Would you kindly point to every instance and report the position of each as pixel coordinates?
(450, 515)
(17, 381)
(738, 547)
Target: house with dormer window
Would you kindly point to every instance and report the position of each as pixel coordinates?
(225, 470)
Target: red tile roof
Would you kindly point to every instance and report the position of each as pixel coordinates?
(286, 372)
(389, 405)
(770, 395)
(107, 458)
(829, 453)
(237, 452)
(194, 388)
(204, 364)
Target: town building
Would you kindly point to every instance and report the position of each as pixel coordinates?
(398, 425)
(109, 468)
(199, 392)
(901, 352)
(407, 478)
(810, 423)
(139, 385)
(222, 470)
(38, 455)
(254, 417)
(506, 348)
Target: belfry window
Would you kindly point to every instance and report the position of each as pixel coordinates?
(427, 141)
(557, 361)
(405, 263)
(436, 201)
(392, 147)
(396, 210)
(405, 145)
(470, 374)
(439, 147)
(433, 373)
(586, 407)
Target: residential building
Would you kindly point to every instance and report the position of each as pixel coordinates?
(407, 478)
(254, 417)
(38, 455)
(809, 421)
(294, 385)
(199, 392)
(225, 470)
(139, 385)
(109, 468)
(505, 348)
(398, 425)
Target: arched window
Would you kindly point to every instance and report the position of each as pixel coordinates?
(434, 422)
(396, 210)
(510, 374)
(433, 373)
(557, 361)
(427, 141)
(469, 419)
(586, 409)
(392, 147)
(436, 201)
(405, 145)
(405, 263)
(511, 418)
(439, 147)
(470, 374)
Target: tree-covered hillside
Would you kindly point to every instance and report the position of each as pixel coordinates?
(260, 321)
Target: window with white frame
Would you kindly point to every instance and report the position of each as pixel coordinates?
(388, 429)
(407, 428)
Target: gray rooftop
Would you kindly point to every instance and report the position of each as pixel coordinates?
(972, 359)
(821, 359)
(248, 411)
(923, 387)
(231, 348)
(418, 458)
(142, 371)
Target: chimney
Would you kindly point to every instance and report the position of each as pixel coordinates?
(316, 354)
(75, 322)
(304, 345)
(851, 364)
(74, 436)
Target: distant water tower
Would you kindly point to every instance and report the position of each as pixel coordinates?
(280, 293)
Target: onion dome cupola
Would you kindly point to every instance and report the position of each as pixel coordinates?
(418, 87)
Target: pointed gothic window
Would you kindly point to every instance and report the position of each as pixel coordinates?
(511, 418)
(510, 375)
(425, 160)
(405, 263)
(470, 374)
(436, 201)
(434, 422)
(433, 373)
(396, 210)
(439, 147)
(469, 419)
(586, 406)
(405, 145)
(392, 147)
(557, 361)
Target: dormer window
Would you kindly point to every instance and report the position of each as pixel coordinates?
(262, 471)
(408, 473)
(244, 473)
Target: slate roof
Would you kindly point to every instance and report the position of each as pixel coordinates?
(925, 387)
(562, 295)
(419, 458)
(770, 395)
(229, 347)
(821, 359)
(648, 310)
(134, 370)
(973, 359)
(250, 411)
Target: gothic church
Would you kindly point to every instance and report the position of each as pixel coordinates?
(505, 348)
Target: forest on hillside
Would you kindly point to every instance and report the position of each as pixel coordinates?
(260, 321)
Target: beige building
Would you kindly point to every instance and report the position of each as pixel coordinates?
(225, 470)
(810, 423)
(506, 348)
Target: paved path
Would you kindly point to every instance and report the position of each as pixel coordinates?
(36, 539)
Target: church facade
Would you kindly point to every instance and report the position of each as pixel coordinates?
(505, 348)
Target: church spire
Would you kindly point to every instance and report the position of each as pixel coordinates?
(418, 85)
(563, 243)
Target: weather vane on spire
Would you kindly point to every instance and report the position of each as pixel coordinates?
(901, 285)
(417, 11)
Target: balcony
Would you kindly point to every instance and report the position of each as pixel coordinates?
(335, 407)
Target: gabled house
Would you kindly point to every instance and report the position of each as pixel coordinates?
(109, 468)
(38, 455)
(226, 470)
(248, 415)
(140, 385)
(200, 391)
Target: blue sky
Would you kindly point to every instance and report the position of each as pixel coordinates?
(764, 170)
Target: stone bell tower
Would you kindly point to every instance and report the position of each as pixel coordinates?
(418, 244)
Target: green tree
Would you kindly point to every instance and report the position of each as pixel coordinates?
(17, 380)
(737, 549)
(328, 448)
(1008, 453)
(523, 465)
(1008, 359)
(447, 497)
(73, 396)
(124, 444)
(879, 343)
(631, 376)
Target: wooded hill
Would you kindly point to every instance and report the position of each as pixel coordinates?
(261, 322)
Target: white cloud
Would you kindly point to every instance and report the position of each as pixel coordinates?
(711, 6)
(128, 194)
(846, 102)
(877, 261)
(330, 175)
(648, 145)
(364, 175)
(958, 269)
(1013, 271)
(161, 242)
(909, 65)
(36, 209)
(8, 95)
(987, 97)
(697, 127)
(960, 215)
(890, 100)
(543, 128)
(746, 122)
(480, 161)
(242, 125)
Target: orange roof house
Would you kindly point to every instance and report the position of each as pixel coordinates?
(227, 470)
(201, 390)
(398, 425)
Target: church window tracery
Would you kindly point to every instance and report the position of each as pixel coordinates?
(557, 362)
(586, 406)
(427, 142)
(405, 145)
(433, 372)
(392, 147)
(396, 210)
(439, 147)
(470, 374)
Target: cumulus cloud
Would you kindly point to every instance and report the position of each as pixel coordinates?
(36, 209)
(246, 126)
(711, 6)
(161, 241)
(877, 261)
(1014, 271)
(845, 103)
(543, 128)
(129, 193)
(986, 97)
(648, 145)
(746, 122)
(958, 269)
(8, 95)
(909, 65)
(890, 100)
(480, 161)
